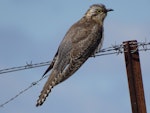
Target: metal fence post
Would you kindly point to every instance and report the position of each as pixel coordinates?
(134, 76)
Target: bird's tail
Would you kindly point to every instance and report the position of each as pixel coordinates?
(51, 82)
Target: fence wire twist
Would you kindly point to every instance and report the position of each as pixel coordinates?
(114, 49)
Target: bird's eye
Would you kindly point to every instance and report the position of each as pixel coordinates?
(98, 11)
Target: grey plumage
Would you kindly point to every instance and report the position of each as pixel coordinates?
(81, 41)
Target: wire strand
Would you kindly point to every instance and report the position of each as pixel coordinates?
(27, 66)
(21, 92)
(115, 49)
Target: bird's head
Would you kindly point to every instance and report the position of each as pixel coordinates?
(98, 12)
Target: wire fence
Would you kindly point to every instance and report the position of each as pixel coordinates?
(114, 49)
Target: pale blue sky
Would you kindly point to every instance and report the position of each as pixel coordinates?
(31, 30)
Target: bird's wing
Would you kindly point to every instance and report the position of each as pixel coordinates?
(84, 43)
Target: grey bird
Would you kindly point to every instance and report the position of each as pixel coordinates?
(82, 41)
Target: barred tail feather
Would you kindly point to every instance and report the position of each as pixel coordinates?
(51, 82)
(43, 96)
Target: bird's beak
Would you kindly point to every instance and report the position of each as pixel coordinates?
(109, 10)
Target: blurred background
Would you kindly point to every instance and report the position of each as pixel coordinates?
(31, 30)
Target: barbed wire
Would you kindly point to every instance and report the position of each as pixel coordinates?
(119, 49)
(114, 49)
(27, 66)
